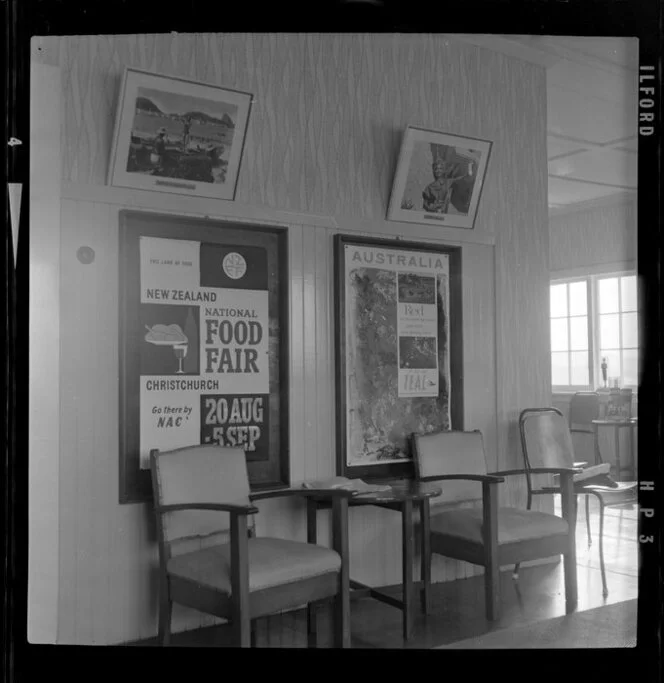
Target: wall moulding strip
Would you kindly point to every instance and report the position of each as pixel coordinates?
(594, 269)
(410, 231)
(193, 206)
(212, 208)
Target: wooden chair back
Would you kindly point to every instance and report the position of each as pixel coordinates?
(583, 409)
(545, 438)
(451, 452)
(198, 474)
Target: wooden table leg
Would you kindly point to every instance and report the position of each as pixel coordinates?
(598, 455)
(408, 541)
(312, 607)
(425, 529)
(312, 521)
(617, 448)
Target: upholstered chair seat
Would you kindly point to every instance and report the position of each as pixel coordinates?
(514, 525)
(272, 562)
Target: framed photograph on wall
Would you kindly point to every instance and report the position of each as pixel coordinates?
(178, 136)
(203, 344)
(439, 178)
(398, 350)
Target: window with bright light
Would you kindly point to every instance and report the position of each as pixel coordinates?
(594, 319)
(618, 328)
(570, 348)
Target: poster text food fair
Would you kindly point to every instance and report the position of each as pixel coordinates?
(204, 353)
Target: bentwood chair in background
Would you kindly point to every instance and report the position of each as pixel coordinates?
(202, 492)
(491, 536)
(547, 442)
(583, 409)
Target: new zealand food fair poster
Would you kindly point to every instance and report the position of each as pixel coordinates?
(397, 349)
(204, 350)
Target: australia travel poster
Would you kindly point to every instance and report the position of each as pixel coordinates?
(204, 361)
(396, 349)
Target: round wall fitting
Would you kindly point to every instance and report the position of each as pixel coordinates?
(85, 255)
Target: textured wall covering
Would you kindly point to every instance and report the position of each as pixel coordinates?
(602, 236)
(323, 139)
(328, 110)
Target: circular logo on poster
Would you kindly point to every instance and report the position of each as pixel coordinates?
(234, 265)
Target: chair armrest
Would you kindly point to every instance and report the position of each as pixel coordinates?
(485, 478)
(540, 470)
(219, 507)
(307, 493)
(569, 471)
(581, 464)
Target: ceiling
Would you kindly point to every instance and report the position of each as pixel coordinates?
(592, 111)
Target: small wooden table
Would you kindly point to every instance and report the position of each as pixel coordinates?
(402, 497)
(617, 426)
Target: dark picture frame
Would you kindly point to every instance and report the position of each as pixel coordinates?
(371, 337)
(179, 136)
(257, 420)
(439, 178)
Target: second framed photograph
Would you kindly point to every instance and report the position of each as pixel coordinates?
(399, 350)
(439, 178)
(178, 136)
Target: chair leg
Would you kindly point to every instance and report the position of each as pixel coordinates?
(312, 624)
(492, 591)
(342, 619)
(425, 573)
(590, 540)
(515, 573)
(165, 612)
(571, 588)
(605, 590)
(242, 631)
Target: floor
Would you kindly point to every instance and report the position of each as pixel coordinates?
(458, 607)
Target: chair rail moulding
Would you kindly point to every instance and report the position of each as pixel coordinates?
(193, 206)
(399, 230)
(219, 209)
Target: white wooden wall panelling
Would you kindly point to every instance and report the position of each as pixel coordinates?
(376, 538)
(45, 374)
(44, 360)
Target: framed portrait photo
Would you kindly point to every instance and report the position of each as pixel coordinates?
(178, 136)
(398, 350)
(439, 178)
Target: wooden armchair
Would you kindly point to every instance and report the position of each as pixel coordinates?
(202, 492)
(491, 536)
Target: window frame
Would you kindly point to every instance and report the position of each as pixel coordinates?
(589, 310)
(620, 312)
(594, 349)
